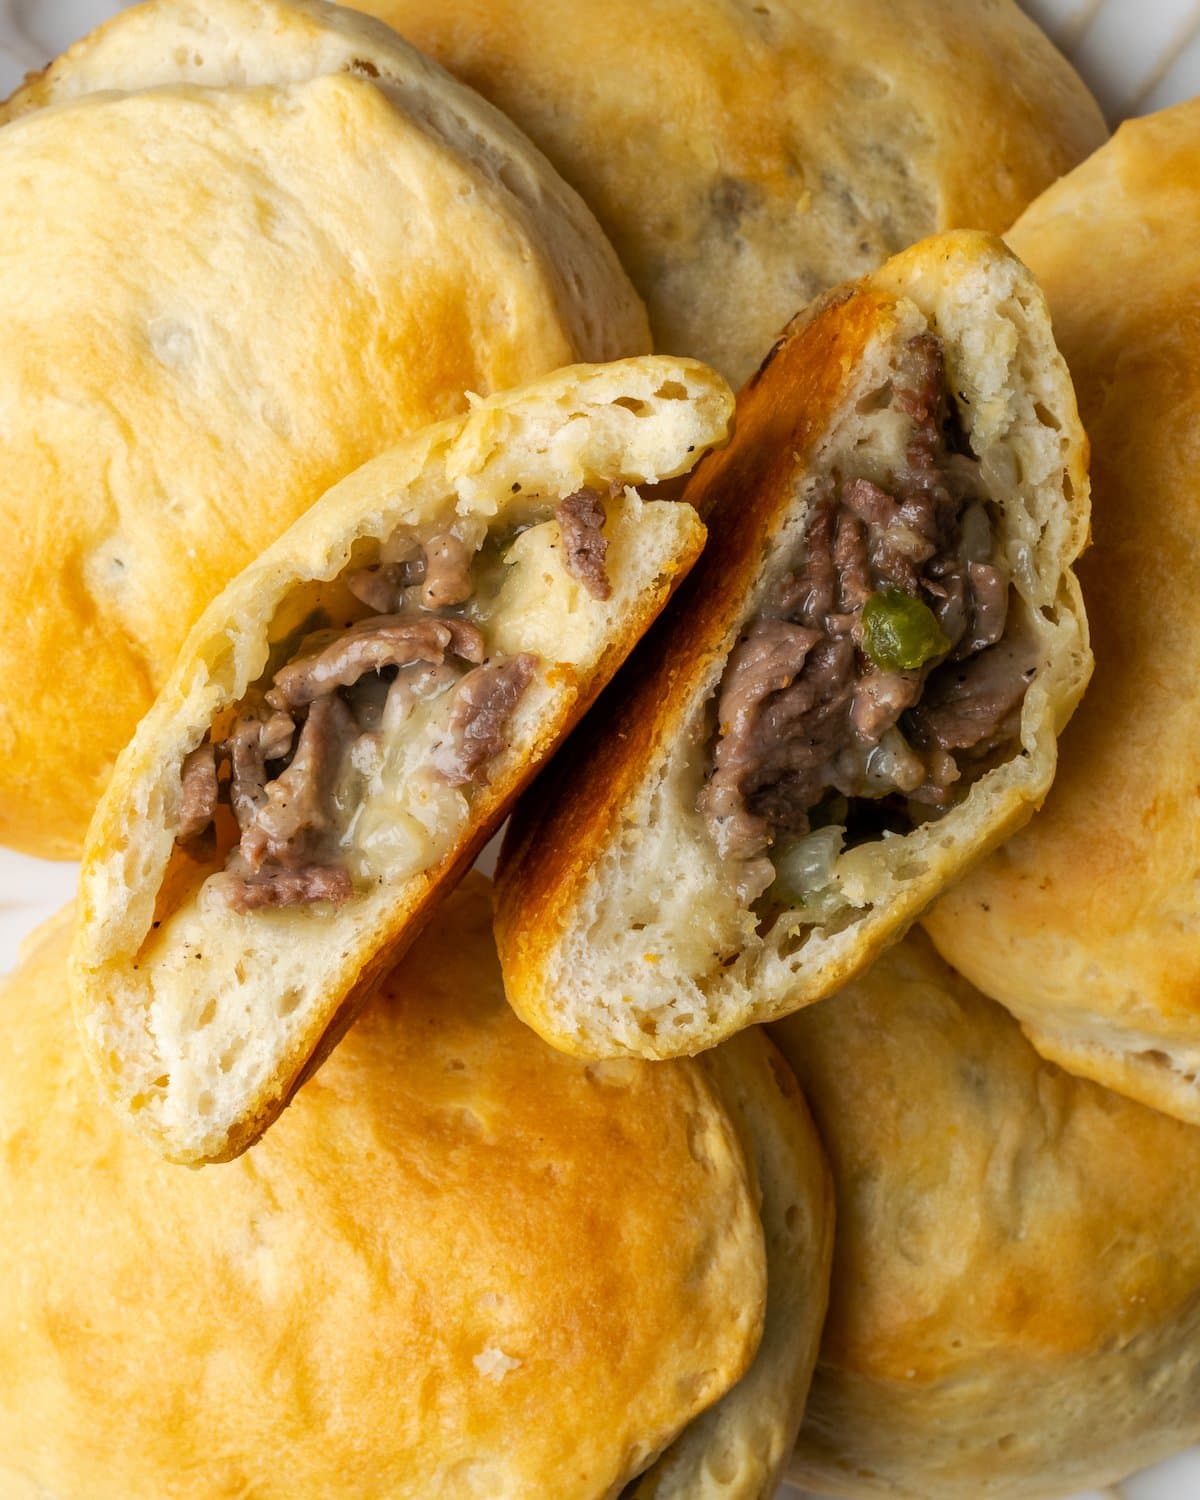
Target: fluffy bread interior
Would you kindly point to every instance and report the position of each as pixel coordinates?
(673, 958)
(200, 1017)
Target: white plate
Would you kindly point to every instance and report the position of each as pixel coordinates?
(1137, 55)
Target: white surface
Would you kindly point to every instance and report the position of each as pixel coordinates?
(1137, 55)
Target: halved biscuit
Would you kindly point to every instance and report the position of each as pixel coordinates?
(349, 721)
(856, 695)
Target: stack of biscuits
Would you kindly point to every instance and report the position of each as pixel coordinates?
(373, 481)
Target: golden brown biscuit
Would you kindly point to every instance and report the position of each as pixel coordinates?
(1085, 925)
(349, 721)
(463, 1266)
(857, 692)
(216, 303)
(742, 158)
(1014, 1309)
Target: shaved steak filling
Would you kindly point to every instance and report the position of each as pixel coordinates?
(581, 518)
(878, 668)
(279, 764)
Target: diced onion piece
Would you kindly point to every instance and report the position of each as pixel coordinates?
(806, 867)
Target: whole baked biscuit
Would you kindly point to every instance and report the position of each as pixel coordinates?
(463, 1265)
(744, 157)
(1014, 1310)
(1085, 924)
(216, 301)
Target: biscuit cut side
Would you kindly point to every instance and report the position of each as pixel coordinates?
(348, 723)
(806, 788)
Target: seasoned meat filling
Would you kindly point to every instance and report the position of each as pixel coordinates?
(479, 724)
(877, 668)
(369, 646)
(198, 797)
(581, 517)
(278, 766)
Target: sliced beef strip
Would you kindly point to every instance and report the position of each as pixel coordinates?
(809, 595)
(765, 662)
(448, 578)
(382, 584)
(274, 887)
(855, 585)
(382, 641)
(800, 732)
(581, 519)
(989, 607)
(254, 740)
(483, 708)
(292, 827)
(920, 392)
(974, 706)
(198, 792)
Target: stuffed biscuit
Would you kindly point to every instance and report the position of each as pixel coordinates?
(462, 1266)
(1086, 925)
(1014, 1310)
(348, 722)
(745, 157)
(217, 297)
(857, 693)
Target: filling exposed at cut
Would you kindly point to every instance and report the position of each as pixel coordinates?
(286, 766)
(877, 678)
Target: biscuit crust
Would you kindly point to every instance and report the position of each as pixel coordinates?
(1014, 1310)
(463, 1264)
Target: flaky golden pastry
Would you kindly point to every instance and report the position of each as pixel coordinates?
(630, 920)
(463, 1266)
(226, 937)
(743, 158)
(1085, 925)
(216, 302)
(1014, 1309)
